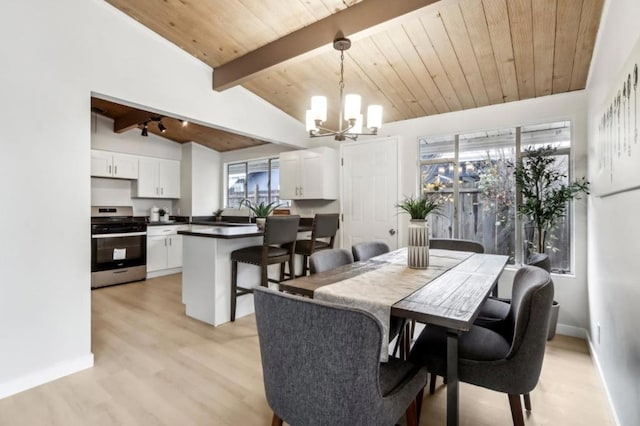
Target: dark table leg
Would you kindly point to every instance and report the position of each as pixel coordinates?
(452, 378)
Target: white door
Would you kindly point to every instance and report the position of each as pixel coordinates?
(370, 192)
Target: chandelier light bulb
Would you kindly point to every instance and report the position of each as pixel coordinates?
(310, 122)
(319, 108)
(352, 106)
(374, 116)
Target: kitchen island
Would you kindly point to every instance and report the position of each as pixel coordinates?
(206, 270)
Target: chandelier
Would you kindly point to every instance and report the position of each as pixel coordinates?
(349, 109)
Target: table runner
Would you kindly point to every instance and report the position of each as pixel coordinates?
(377, 290)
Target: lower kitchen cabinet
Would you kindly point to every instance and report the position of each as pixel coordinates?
(164, 250)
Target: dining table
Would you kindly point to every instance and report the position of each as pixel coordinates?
(448, 293)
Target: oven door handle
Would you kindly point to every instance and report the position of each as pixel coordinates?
(124, 234)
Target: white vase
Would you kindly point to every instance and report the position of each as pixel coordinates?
(418, 247)
(260, 222)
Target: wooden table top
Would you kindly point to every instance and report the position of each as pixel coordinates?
(450, 300)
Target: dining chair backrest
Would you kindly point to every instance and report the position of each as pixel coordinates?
(456, 244)
(281, 229)
(369, 249)
(325, 260)
(541, 260)
(316, 370)
(325, 225)
(529, 316)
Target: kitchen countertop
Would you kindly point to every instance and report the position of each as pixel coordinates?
(226, 232)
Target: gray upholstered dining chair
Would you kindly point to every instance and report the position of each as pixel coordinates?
(279, 230)
(495, 310)
(325, 226)
(369, 249)
(508, 361)
(456, 244)
(325, 260)
(317, 371)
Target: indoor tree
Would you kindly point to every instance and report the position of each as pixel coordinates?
(545, 190)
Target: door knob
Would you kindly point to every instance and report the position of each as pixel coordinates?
(392, 231)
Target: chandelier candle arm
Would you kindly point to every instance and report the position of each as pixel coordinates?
(350, 106)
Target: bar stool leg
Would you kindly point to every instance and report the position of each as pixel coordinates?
(305, 261)
(234, 288)
(264, 282)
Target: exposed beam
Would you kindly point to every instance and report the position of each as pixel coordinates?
(131, 120)
(363, 16)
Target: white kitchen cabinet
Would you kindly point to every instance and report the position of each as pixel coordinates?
(164, 250)
(157, 178)
(113, 165)
(310, 174)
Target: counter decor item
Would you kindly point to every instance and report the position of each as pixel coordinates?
(418, 235)
(218, 215)
(154, 215)
(260, 211)
(164, 215)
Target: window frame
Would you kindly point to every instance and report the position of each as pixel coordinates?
(269, 161)
(519, 155)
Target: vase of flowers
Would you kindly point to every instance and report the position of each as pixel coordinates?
(418, 233)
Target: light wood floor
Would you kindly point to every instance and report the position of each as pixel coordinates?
(155, 366)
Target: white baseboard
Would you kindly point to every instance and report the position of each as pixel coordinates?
(163, 272)
(46, 375)
(594, 356)
(570, 330)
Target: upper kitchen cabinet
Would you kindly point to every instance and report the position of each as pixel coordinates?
(310, 174)
(113, 165)
(157, 178)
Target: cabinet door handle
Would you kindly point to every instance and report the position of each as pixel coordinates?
(165, 242)
(109, 168)
(301, 191)
(157, 191)
(170, 241)
(115, 170)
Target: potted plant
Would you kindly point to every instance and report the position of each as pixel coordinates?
(218, 215)
(260, 211)
(164, 217)
(418, 235)
(546, 192)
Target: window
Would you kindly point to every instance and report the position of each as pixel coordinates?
(475, 171)
(256, 180)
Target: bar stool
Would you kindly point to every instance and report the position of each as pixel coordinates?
(325, 225)
(278, 230)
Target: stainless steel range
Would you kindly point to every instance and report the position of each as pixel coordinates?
(118, 246)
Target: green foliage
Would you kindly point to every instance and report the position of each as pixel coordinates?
(218, 212)
(545, 190)
(262, 209)
(419, 208)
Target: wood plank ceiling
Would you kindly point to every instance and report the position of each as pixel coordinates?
(453, 55)
(126, 118)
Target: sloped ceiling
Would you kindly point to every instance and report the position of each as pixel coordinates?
(447, 56)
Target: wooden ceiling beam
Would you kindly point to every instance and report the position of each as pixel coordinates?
(359, 18)
(131, 120)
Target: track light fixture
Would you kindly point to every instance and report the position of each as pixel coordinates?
(145, 129)
(161, 127)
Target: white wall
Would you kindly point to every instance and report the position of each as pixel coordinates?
(571, 291)
(205, 183)
(54, 55)
(614, 234)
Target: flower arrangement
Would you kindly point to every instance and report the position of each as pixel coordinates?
(419, 208)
